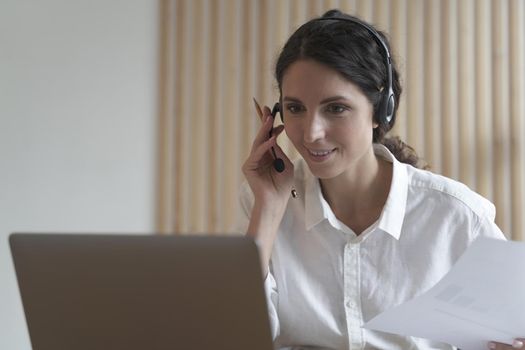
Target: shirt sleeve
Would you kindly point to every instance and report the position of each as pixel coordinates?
(270, 286)
(244, 209)
(486, 225)
(488, 228)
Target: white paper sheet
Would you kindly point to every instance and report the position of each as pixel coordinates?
(482, 298)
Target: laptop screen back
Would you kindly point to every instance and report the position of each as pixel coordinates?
(141, 292)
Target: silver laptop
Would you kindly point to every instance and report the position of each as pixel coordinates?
(141, 292)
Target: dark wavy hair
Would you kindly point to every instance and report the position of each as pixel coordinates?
(351, 50)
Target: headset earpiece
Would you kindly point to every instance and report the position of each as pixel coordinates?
(390, 106)
(388, 102)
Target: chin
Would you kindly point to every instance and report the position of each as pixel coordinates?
(324, 172)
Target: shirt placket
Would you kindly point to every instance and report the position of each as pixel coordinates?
(352, 296)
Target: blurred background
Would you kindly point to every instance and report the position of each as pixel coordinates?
(135, 116)
(78, 119)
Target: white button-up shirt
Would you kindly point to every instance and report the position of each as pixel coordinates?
(325, 281)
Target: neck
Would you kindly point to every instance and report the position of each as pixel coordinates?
(357, 196)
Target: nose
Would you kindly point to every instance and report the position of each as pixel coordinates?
(314, 128)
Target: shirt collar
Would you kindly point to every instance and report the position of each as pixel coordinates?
(391, 218)
(316, 208)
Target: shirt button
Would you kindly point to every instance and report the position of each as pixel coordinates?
(350, 304)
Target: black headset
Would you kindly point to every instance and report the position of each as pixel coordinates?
(388, 102)
(386, 107)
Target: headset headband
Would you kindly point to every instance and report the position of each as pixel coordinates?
(387, 108)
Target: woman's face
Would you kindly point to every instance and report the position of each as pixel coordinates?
(327, 118)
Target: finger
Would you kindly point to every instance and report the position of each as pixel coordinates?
(496, 346)
(266, 130)
(268, 112)
(262, 113)
(518, 343)
(259, 156)
(259, 152)
(278, 130)
(259, 149)
(262, 134)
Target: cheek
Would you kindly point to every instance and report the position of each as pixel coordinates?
(352, 134)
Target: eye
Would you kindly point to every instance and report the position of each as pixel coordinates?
(294, 108)
(336, 108)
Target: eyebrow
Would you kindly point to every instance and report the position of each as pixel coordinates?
(326, 100)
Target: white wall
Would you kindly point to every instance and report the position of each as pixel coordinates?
(78, 83)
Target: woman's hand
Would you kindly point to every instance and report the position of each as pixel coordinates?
(518, 343)
(271, 189)
(268, 185)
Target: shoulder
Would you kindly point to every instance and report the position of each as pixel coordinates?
(449, 192)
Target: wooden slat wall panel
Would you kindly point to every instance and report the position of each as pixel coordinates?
(164, 195)
(483, 98)
(500, 122)
(414, 76)
(214, 94)
(432, 84)
(398, 34)
(449, 89)
(466, 87)
(517, 113)
(462, 65)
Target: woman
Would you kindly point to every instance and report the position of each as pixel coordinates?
(368, 229)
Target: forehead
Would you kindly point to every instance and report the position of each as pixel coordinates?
(308, 79)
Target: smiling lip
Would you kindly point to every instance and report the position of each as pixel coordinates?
(319, 155)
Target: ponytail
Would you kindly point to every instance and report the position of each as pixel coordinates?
(403, 152)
